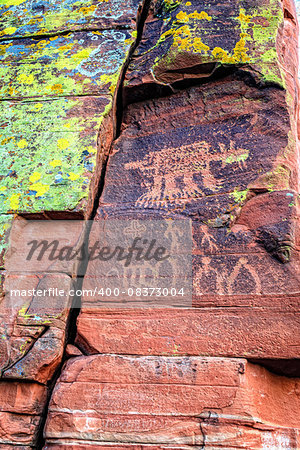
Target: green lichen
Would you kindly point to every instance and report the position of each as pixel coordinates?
(265, 25)
(48, 146)
(47, 155)
(19, 18)
(57, 66)
(22, 313)
(239, 196)
(276, 179)
(237, 158)
(5, 225)
(112, 80)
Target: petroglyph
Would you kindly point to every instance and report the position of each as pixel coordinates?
(220, 279)
(169, 174)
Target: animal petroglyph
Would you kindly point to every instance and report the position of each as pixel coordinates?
(170, 173)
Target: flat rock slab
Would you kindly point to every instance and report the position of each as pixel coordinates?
(49, 153)
(49, 144)
(247, 332)
(73, 64)
(32, 325)
(165, 400)
(21, 406)
(56, 91)
(24, 18)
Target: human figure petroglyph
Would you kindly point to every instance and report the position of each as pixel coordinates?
(208, 240)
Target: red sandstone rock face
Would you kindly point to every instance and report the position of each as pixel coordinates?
(198, 154)
(223, 153)
(251, 333)
(171, 400)
(20, 413)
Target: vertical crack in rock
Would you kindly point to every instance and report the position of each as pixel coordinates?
(117, 109)
(114, 120)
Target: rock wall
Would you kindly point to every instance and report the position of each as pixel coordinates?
(168, 109)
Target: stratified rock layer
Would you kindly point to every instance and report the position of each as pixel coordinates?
(179, 401)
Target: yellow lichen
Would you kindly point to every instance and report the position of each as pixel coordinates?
(22, 143)
(184, 41)
(40, 189)
(9, 31)
(239, 53)
(73, 176)
(26, 79)
(184, 17)
(82, 54)
(244, 18)
(34, 177)
(13, 2)
(55, 163)
(86, 10)
(200, 16)
(14, 201)
(38, 106)
(63, 143)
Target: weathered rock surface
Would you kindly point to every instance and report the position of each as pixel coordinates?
(55, 92)
(191, 401)
(251, 333)
(185, 41)
(209, 134)
(24, 18)
(20, 413)
(203, 164)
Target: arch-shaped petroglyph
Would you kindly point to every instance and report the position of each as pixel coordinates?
(223, 278)
(233, 276)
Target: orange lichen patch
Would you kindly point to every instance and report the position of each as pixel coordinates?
(184, 17)
(57, 88)
(239, 55)
(87, 9)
